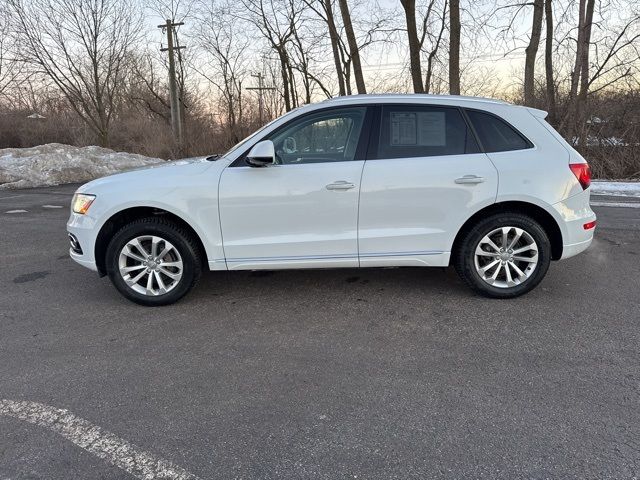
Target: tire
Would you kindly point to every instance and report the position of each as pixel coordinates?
(481, 246)
(174, 268)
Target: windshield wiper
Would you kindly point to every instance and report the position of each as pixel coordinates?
(213, 158)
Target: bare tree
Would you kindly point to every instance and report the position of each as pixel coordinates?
(324, 10)
(354, 49)
(276, 20)
(409, 7)
(225, 64)
(454, 47)
(82, 45)
(531, 52)
(580, 73)
(13, 73)
(548, 61)
(417, 39)
(435, 46)
(148, 87)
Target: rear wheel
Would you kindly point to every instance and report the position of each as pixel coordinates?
(152, 261)
(503, 256)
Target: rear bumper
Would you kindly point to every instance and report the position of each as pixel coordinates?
(575, 212)
(575, 248)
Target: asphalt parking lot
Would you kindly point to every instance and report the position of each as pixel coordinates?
(380, 373)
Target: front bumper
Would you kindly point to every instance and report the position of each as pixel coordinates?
(82, 227)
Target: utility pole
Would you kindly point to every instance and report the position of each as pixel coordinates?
(260, 88)
(176, 118)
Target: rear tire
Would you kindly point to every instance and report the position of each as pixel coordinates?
(503, 256)
(153, 261)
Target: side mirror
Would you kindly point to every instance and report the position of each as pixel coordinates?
(262, 154)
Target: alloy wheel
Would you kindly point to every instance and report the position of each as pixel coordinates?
(150, 265)
(506, 257)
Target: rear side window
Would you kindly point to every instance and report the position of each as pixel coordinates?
(495, 134)
(423, 131)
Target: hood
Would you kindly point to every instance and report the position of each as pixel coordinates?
(163, 175)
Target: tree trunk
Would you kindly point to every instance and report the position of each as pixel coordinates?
(454, 48)
(285, 78)
(584, 73)
(353, 46)
(334, 37)
(581, 68)
(548, 63)
(414, 44)
(531, 52)
(434, 51)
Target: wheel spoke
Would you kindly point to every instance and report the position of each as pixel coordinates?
(517, 270)
(533, 259)
(169, 274)
(172, 264)
(167, 248)
(154, 246)
(515, 238)
(132, 281)
(133, 268)
(507, 271)
(489, 266)
(483, 253)
(486, 240)
(127, 251)
(136, 243)
(495, 274)
(161, 286)
(505, 236)
(526, 248)
(150, 285)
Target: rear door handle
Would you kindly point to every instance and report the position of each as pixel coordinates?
(469, 180)
(340, 185)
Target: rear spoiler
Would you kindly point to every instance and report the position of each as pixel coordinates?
(537, 113)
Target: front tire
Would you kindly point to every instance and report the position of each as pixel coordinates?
(153, 261)
(503, 256)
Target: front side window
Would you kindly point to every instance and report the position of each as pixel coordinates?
(495, 134)
(423, 131)
(330, 136)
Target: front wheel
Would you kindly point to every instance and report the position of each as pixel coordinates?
(153, 261)
(503, 256)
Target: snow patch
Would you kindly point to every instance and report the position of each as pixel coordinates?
(55, 164)
(622, 189)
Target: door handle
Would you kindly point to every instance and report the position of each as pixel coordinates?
(469, 180)
(340, 185)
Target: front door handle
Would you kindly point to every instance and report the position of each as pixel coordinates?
(340, 185)
(469, 180)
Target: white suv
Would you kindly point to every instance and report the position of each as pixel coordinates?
(359, 181)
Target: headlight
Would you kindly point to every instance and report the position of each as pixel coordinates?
(81, 202)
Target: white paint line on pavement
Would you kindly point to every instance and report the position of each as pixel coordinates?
(95, 440)
(16, 211)
(615, 204)
(51, 206)
(11, 196)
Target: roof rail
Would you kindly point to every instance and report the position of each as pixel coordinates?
(373, 96)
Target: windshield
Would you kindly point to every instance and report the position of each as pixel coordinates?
(257, 132)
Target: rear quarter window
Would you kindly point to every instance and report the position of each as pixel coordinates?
(495, 134)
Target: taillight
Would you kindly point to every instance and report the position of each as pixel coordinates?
(582, 173)
(589, 225)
